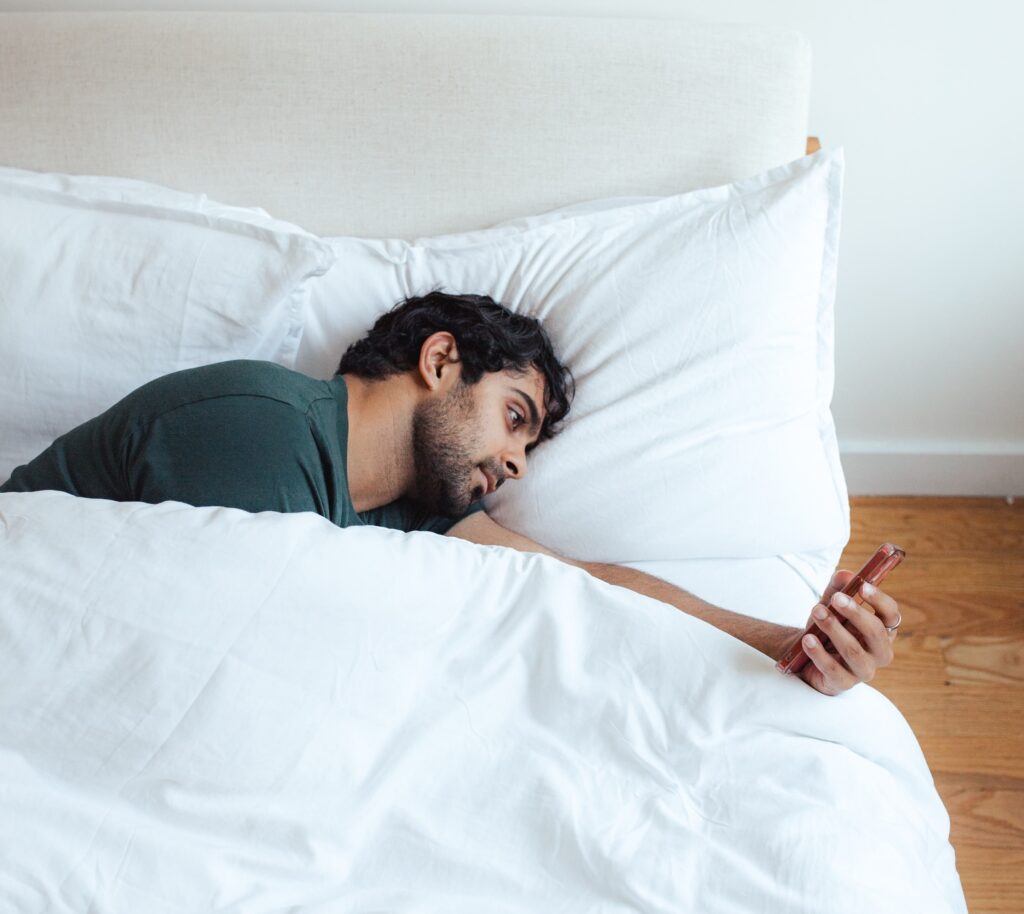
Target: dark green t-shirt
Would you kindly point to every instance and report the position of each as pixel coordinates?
(242, 434)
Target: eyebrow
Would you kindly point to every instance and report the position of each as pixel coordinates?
(534, 414)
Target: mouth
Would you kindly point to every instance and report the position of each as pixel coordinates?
(490, 482)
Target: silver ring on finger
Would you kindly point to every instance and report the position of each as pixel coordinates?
(892, 628)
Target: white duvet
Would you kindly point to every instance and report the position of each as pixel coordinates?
(207, 710)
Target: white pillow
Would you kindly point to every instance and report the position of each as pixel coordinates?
(699, 329)
(131, 190)
(106, 283)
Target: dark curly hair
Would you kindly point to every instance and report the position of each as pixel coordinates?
(489, 337)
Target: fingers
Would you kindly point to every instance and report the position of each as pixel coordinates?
(871, 629)
(885, 607)
(825, 672)
(858, 648)
(838, 581)
(862, 658)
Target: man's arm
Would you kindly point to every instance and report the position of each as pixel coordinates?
(766, 637)
(825, 673)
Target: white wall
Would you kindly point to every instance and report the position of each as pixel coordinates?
(928, 100)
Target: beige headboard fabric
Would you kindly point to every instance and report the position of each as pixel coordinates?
(399, 125)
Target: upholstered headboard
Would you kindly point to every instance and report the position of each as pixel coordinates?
(399, 124)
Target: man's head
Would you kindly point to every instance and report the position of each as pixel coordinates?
(493, 389)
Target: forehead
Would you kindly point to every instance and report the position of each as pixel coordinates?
(529, 382)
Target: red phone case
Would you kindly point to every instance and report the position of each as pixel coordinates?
(877, 567)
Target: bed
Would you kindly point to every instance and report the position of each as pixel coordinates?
(205, 709)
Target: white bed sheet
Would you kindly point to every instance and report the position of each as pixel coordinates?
(205, 709)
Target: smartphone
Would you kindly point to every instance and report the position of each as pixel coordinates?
(877, 567)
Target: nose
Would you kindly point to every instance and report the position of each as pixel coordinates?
(515, 464)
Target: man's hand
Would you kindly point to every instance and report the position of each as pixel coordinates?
(857, 653)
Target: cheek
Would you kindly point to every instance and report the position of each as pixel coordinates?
(493, 439)
(476, 432)
(485, 433)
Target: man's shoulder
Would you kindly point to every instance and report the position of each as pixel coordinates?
(244, 376)
(245, 381)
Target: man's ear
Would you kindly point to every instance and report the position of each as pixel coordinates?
(439, 361)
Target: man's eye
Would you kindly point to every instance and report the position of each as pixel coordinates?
(517, 419)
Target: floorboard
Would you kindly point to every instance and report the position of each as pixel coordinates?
(958, 676)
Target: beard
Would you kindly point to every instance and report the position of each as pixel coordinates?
(442, 441)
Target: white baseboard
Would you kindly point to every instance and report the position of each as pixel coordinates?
(879, 472)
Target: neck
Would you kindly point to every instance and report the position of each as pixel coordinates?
(380, 454)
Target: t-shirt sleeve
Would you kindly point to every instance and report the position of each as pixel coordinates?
(236, 452)
(75, 463)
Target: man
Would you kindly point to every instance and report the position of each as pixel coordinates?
(439, 405)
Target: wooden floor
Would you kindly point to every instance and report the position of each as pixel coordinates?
(958, 676)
